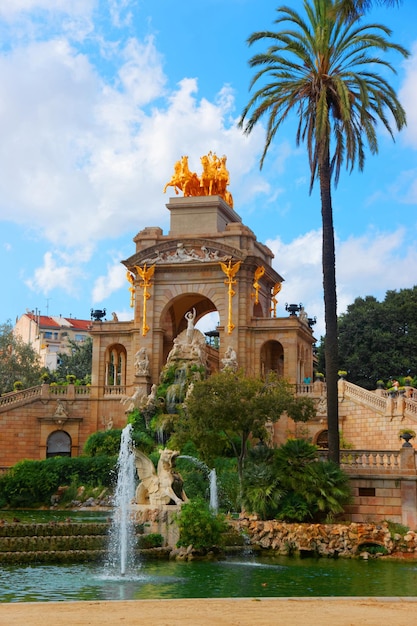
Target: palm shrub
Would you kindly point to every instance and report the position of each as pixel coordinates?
(292, 484)
(261, 490)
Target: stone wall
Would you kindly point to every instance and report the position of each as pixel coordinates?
(327, 540)
(29, 417)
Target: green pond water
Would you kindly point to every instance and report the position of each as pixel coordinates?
(238, 576)
(244, 576)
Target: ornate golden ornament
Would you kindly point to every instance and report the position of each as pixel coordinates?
(146, 275)
(131, 278)
(259, 272)
(275, 290)
(213, 181)
(230, 271)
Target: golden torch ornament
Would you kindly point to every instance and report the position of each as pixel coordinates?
(230, 271)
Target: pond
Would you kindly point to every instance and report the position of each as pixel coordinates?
(245, 576)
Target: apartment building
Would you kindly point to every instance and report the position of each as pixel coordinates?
(49, 335)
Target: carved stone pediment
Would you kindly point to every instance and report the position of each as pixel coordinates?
(184, 251)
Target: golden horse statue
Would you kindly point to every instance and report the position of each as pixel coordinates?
(213, 181)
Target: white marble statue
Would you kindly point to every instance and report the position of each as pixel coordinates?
(229, 362)
(142, 365)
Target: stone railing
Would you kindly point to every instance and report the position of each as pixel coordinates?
(369, 398)
(380, 402)
(373, 461)
(410, 406)
(43, 392)
(58, 390)
(17, 397)
(115, 390)
(82, 390)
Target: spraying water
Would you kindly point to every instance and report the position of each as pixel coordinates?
(122, 535)
(214, 498)
(212, 477)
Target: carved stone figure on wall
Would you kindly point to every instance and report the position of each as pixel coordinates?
(134, 401)
(142, 365)
(230, 359)
(151, 399)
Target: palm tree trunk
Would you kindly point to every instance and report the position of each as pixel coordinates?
(330, 307)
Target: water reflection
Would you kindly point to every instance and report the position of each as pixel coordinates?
(266, 577)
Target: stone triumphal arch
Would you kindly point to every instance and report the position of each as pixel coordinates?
(209, 261)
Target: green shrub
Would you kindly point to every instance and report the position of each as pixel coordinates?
(198, 526)
(395, 528)
(105, 442)
(153, 540)
(32, 483)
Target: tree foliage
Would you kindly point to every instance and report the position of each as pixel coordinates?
(378, 340)
(227, 408)
(358, 7)
(18, 361)
(78, 362)
(324, 68)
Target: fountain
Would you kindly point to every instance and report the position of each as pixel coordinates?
(212, 478)
(214, 498)
(122, 535)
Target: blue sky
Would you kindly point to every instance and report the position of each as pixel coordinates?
(101, 97)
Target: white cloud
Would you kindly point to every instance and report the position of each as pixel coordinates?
(114, 280)
(12, 8)
(54, 275)
(369, 264)
(78, 150)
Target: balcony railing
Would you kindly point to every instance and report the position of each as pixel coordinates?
(368, 460)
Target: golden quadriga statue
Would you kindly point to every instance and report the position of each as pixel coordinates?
(213, 180)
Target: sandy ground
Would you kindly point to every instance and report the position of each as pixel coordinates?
(216, 612)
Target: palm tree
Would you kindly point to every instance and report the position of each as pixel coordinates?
(324, 68)
(356, 7)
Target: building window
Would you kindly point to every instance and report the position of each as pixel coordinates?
(367, 492)
(116, 365)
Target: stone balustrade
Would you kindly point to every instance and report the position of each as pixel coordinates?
(114, 390)
(17, 397)
(44, 392)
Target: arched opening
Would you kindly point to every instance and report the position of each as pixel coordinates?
(272, 358)
(173, 321)
(58, 444)
(322, 440)
(115, 366)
